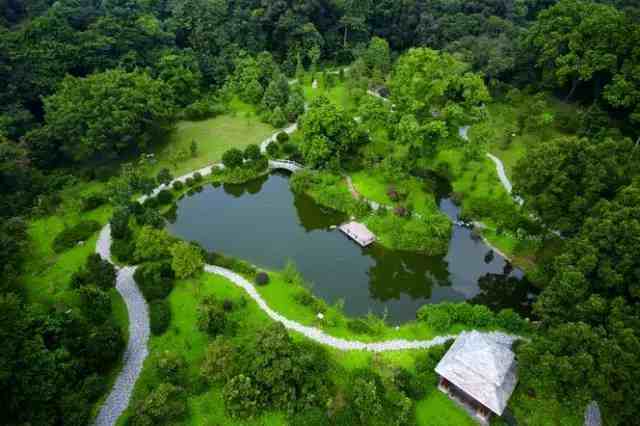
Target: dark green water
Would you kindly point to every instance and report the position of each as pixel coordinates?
(264, 223)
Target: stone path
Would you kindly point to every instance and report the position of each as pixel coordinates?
(137, 346)
(504, 179)
(265, 143)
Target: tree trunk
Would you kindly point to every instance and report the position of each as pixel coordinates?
(574, 85)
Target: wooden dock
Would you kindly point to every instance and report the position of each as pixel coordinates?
(359, 233)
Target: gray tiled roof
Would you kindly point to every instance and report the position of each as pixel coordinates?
(483, 366)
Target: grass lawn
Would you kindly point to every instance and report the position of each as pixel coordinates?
(213, 137)
(46, 273)
(375, 188)
(438, 410)
(338, 94)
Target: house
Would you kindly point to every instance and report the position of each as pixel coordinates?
(479, 372)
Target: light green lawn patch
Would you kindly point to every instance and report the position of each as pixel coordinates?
(338, 94)
(438, 410)
(213, 137)
(375, 188)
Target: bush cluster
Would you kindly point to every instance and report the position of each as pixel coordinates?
(160, 316)
(236, 265)
(212, 317)
(93, 201)
(155, 280)
(442, 316)
(262, 278)
(71, 236)
(96, 271)
(232, 158)
(164, 197)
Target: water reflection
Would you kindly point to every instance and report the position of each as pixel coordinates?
(264, 223)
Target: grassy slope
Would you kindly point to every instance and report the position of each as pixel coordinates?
(213, 136)
(375, 188)
(337, 94)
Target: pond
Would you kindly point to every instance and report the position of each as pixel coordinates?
(264, 223)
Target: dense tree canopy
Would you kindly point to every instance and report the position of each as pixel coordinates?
(563, 179)
(106, 113)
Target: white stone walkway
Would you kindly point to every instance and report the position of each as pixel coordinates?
(137, 346)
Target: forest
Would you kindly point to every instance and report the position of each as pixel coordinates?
(102, 101)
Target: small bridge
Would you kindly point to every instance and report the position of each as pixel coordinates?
(289, 165)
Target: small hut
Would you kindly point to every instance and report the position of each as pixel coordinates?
(480, 372)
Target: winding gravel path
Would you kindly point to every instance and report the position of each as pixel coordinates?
(502, 175)
(137, 346)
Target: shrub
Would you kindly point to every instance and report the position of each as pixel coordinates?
(241, 397)
(93, 201)
(509, 320)
(289, 149)
(190, 181)
(400, 211)
(277, 118)
(393, 194)
(120, 224)
(164, 176)
(152, 244)
(164, 405)
(95, 304)
(415, 386)
(273, 150)
(150, 217)
(96, 271)
(197, 177)
(155, 280)
(262, 278)
(282, 137)
(212, 319)
(232, 158)
(227, 305)
(123, 251)
(252, 152)
(219, 362)
(442, 316)
(71, 236)
(171, 367)
(160, 316)
(290, 273)
(178, 185)
(204, 108)
(305, 298)
(359, 326)
(164, 197)
(187, 259)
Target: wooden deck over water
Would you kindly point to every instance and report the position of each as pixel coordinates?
(359, 233)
